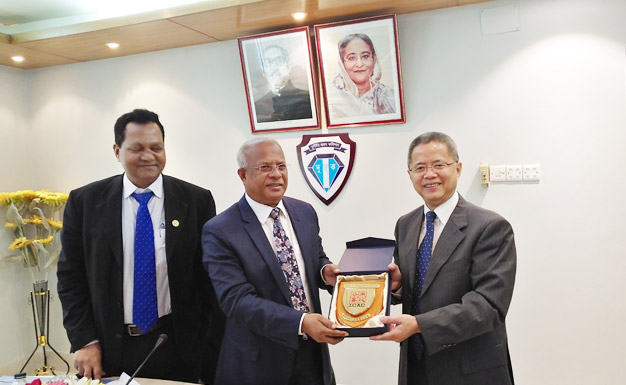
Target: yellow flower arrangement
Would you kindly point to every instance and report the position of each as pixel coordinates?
(31, 215)
(19, 243)
(47, 197)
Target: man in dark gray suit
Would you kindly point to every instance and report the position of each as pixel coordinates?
(454, 276)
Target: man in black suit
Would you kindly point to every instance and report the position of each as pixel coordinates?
(284, 101)
(99, 288)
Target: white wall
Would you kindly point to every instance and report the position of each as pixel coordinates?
(15, 161)
(13, 109)
(552, 93)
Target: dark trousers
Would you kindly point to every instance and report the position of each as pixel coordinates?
(416, 369)
(164, 364)
(308, 368)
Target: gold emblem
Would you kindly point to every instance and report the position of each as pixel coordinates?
(358, 301)
(175, 223)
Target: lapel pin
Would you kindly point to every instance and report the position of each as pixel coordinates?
(175, 223)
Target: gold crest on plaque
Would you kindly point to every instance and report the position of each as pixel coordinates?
(359, 300)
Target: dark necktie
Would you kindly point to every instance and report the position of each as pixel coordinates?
(421, 269)
(287, 259)
(145, 311)
(425, 251)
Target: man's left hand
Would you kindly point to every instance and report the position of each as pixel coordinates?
(329, 272)
(401, 327)
(321, 329)
(396, 276)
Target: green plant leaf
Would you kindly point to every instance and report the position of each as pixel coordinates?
(46, 225)
(11, 258)
(13, 216)
(42, 253)
(54, 249)
(33, 204)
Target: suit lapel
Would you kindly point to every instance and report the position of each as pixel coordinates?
(410, 244)
(175, 207)
(449, 239)
(258, 237)
(110, 210)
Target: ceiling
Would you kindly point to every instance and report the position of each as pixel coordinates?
(56, 32)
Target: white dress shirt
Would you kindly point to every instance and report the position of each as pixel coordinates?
(443, 212)
(157, 214)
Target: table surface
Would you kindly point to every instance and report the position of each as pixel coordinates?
(142, 381)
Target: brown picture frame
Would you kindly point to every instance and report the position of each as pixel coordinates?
(279, 81)
(364, 87)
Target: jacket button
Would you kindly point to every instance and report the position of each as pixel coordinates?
(118, 336)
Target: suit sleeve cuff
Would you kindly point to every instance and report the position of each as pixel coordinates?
(92, 342)
(300, 332)
(322, 273)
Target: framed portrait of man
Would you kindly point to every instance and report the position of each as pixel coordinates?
(279, 83)
(360, 72)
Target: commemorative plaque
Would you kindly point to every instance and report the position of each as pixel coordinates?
(359, 299)
(362, 290)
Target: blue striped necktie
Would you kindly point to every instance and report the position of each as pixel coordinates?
(145, 311)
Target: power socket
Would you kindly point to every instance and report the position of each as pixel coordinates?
(514, 173)
(497, 173)
(532, 172)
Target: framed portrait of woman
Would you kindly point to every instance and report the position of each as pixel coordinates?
(278, 78)
(360, 72)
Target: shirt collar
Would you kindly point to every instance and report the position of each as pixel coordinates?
(262, 211)
(444, 210)
(156, 187)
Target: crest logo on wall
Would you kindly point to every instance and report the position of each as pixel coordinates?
(326, 162)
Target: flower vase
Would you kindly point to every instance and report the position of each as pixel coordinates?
(40, 301)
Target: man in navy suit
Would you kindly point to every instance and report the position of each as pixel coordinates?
(274, 332)
(96, 267)
(453, 331)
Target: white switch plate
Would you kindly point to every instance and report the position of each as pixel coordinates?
(484, 174)
(514, 173)
(497, 173)
(532, 172)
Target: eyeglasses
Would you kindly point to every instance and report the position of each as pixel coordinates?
(366, 57)
(268, 168)
(420, 169)
(275, 61)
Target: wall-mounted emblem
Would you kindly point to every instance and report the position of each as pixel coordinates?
(326, 162)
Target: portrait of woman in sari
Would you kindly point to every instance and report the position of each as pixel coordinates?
(357, 89)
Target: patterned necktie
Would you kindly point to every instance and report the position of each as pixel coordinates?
(423, 261)
(425, 251)
(287, 259)
(145, 311)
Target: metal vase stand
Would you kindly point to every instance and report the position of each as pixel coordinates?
(40, 301)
